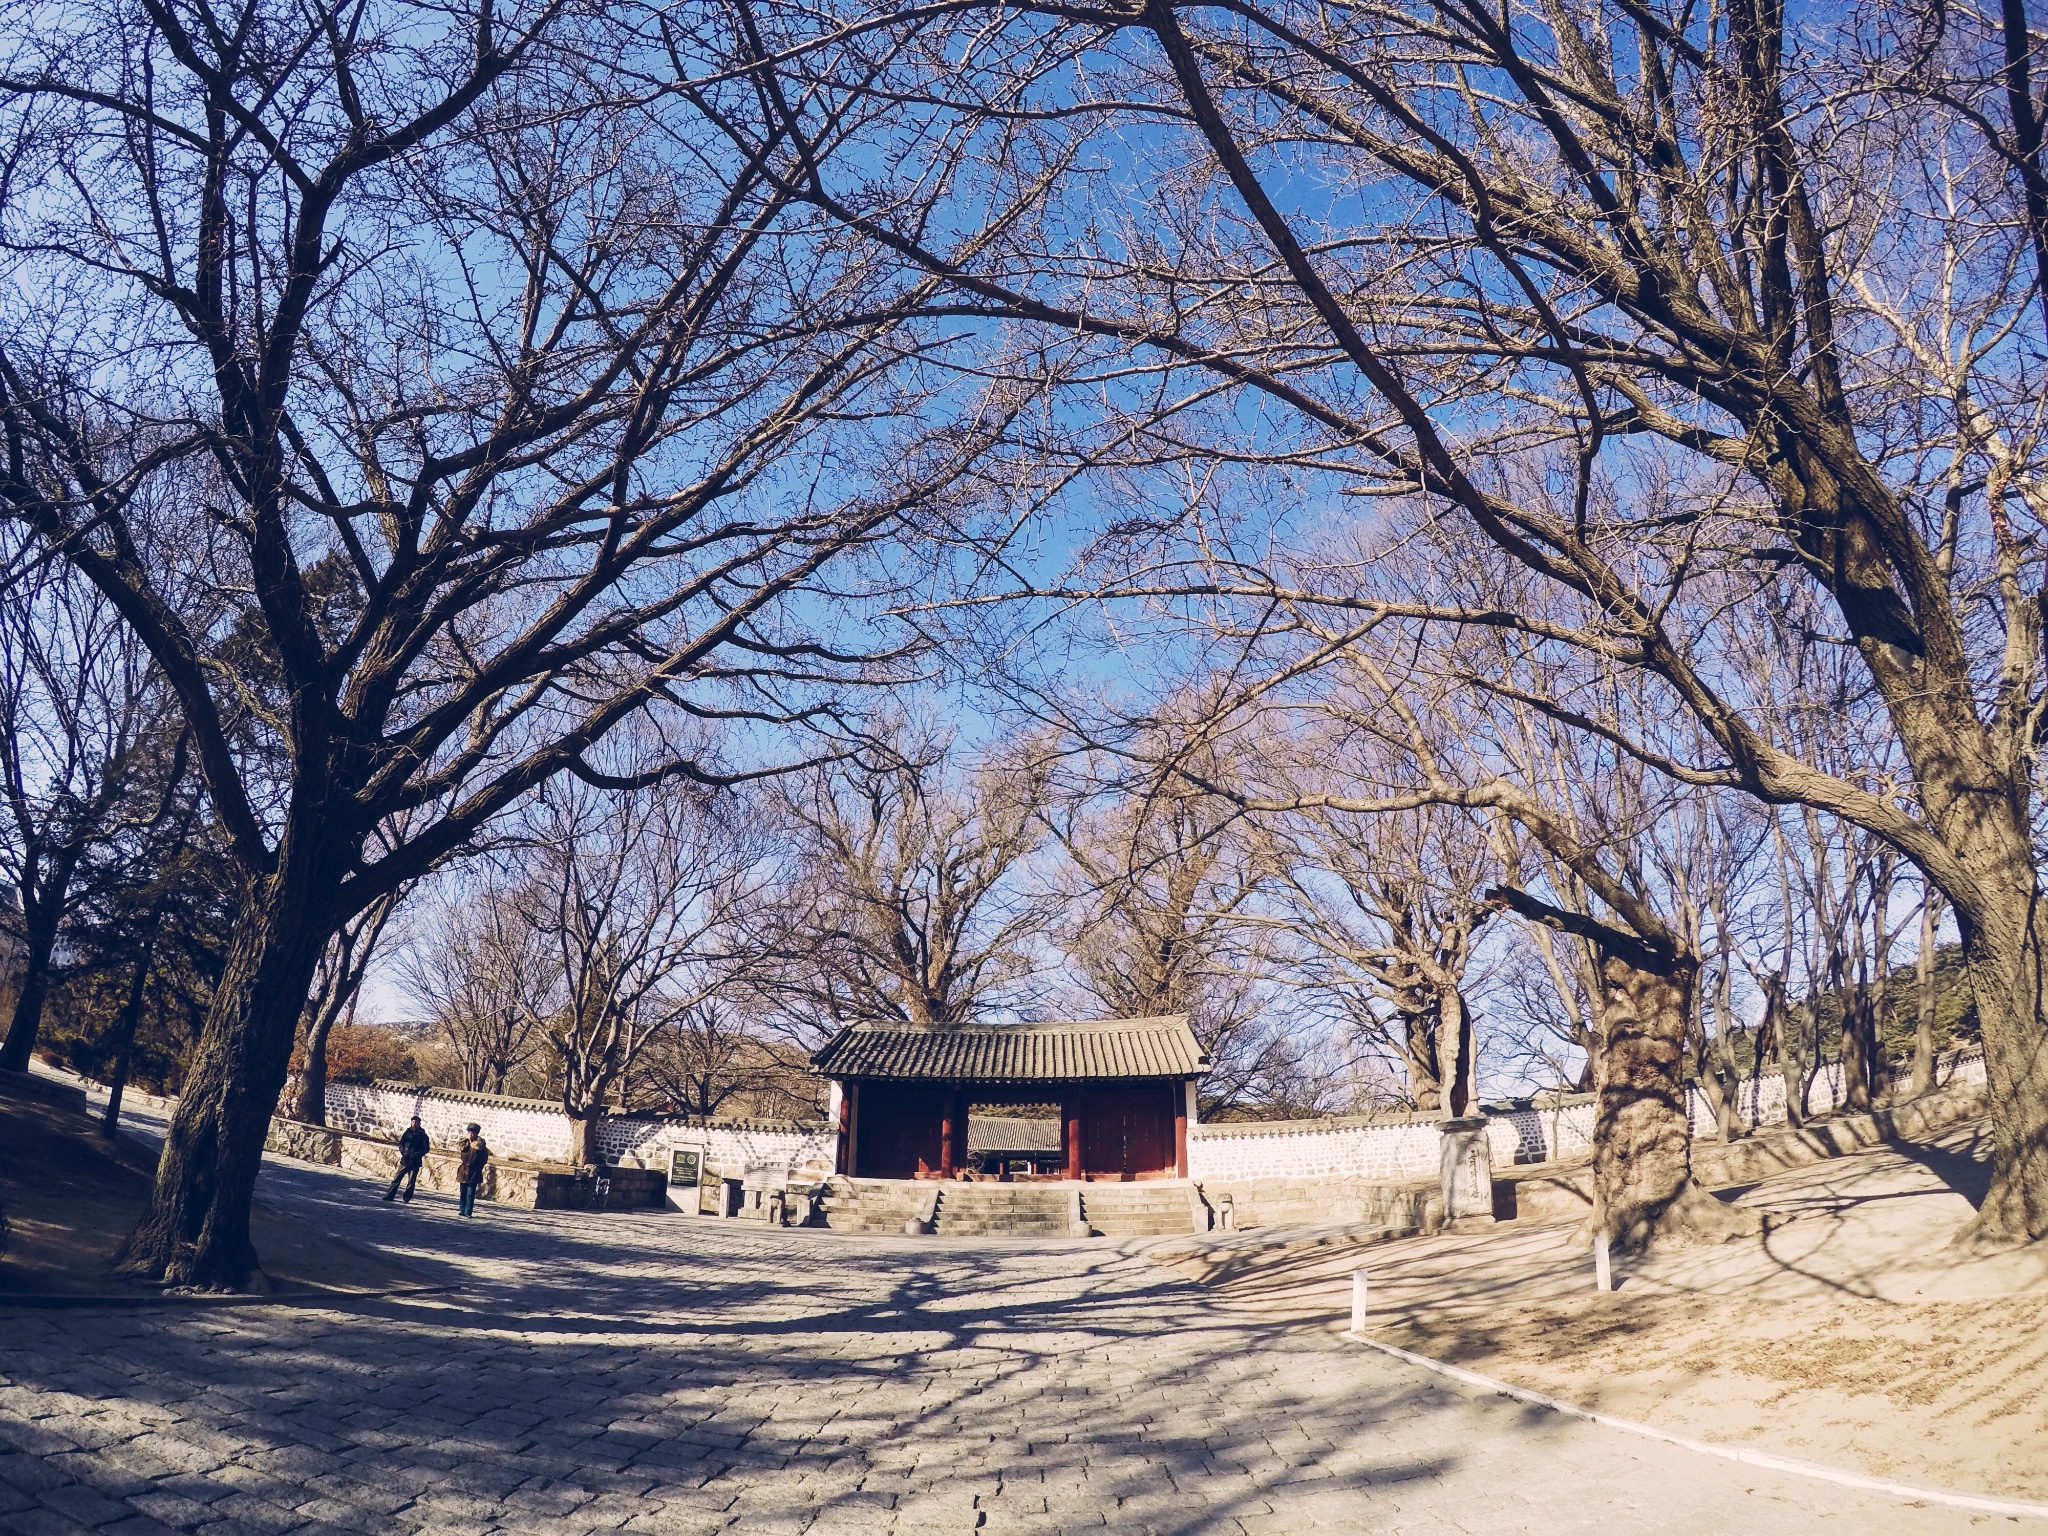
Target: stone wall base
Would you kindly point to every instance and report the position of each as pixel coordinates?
(1310, 1201)
(1564, 1192)
(536, 1187)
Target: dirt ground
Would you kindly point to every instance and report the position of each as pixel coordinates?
(1849, 1334)
(71, 1197)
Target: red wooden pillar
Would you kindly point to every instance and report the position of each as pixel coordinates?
(946, 1119)
(1070, 1121)
(844, 1162)
(956, 1145)
(1180, 1129)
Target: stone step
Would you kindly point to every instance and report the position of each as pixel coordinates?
(1124, 1210)
(969, 1197)
(842, 1202)
(980, 1210)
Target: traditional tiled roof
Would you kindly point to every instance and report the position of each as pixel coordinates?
(1012, 1133)
(1107, 1050)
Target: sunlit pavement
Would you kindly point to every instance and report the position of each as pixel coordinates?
(661, 1373)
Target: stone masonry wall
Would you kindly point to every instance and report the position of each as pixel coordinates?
(728, 1146)
(531, 1128)
(528, 1128)
(1402, 1147)
(1378, 1148)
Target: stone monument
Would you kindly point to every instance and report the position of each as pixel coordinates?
(1467, 1172)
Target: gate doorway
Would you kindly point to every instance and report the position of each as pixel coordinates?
(904, 1097)
(1127, 1133)
(901, 1135)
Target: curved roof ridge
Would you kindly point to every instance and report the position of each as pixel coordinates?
(1045, 1051)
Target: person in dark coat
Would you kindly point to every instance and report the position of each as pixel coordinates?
(475, 1157)
(412, 1156)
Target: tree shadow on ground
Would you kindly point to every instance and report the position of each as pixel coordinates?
(717, 1373)
(1965, 1169)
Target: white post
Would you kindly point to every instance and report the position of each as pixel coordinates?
(1603, 1276)
(1358, 1301)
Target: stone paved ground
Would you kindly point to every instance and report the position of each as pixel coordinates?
(662, 1374)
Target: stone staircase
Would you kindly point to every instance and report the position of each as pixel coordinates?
(1009, 1210)
(1139, 1210)
(1003, 1210)
(873, 1205)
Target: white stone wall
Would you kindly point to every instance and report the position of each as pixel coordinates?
(1387, 1148)
(531, 1128)
(523, 1128)
(1542, 1133)
(728, 1146)
(1390, 1150)
(1407, 1147)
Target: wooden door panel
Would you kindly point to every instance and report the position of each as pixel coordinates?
(898, 1131)
(1148, 1136)
(1126, 1132)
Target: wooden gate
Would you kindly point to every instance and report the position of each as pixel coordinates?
(898, 1130)
(1127, 1133)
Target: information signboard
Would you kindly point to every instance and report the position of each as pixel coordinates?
(685, 1175)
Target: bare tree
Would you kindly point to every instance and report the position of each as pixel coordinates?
(1393, 906)
(521, 399)
(1924, 994)
(337, 983)
(1407, 730)
(89, 748)
(905, 901)
(478, 966)
(709, 1061)
(628, 895)
(1681, 309)
(1153, 909)
(1565, 1007)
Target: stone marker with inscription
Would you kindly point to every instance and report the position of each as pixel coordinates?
(1467, 1175)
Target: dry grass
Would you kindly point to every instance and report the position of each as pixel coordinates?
(1787, 1342)
(72, 1196)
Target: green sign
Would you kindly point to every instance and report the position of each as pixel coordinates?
(682, 1169)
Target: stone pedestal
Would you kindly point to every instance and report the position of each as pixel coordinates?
(1467, 1172)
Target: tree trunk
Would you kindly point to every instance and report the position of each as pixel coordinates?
(195, 1229)
(1707, 1078)
(1855, 1074)
(124, 1031)
(1727, 1109)
(1793, 1062)
(1642, 1141)
(2002, 950)
(1790, 1049)
(583, 1137)
(1454, 1053)
(1923, 1029)
(28, 1003)
(1855, 1034)
(1877, 990)
(312, 1101)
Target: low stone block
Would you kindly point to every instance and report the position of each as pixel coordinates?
(306, 1143)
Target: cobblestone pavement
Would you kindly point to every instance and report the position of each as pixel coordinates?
(665, 1374)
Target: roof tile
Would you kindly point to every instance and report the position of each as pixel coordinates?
(1107, 1049)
